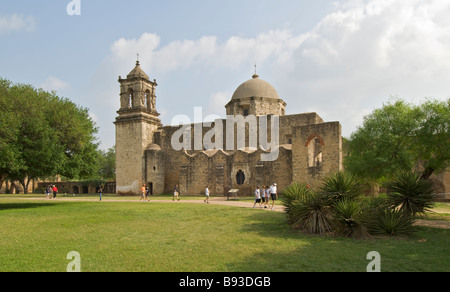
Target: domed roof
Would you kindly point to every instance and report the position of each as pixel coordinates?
(255, 88)
(137, 72)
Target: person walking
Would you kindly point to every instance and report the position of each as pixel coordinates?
(55, 191)
(176, 193)
(207, 195)
(273, 194)
(48, 191)
(257, 197)
(100, 191)
(267, 191)
(147, 193)
(143, 193)
(263, 196)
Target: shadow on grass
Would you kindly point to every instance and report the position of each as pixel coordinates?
(18, 206)
(303, 252)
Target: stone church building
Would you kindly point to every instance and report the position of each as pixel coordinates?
(307, 148)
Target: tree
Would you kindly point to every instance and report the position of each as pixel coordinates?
(8, 133)
(107, 164)
(432, 138)
(397, 137)
(44, 135)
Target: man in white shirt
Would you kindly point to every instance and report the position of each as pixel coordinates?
(257, 197)
(273, 194)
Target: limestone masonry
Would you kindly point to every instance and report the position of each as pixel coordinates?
(304, 147)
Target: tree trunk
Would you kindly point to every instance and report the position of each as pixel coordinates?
(25, 182)
(427, 173)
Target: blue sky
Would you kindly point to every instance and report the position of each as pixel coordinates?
(341, 59)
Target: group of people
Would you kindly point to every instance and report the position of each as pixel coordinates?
(176, 194)
(145, 193)
(51, 190)
(263, 194)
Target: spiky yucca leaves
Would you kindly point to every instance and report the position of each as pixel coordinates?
(349, 218)
(392, 222)
(411, 194)
(292, 194)
(311, 214)
(341, 185)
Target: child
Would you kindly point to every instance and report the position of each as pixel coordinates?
(267, 191)
(257, 197)
(176, 193)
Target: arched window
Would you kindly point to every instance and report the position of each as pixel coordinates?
(314, 145)
(146, 100)
(148, 103)
(130, 98)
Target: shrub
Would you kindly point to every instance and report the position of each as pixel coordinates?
(392, 222)
(349, 218)
(293, 194)
(311, 214)
(410, 193)
(341, 186)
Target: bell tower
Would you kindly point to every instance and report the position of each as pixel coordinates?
(136, 122)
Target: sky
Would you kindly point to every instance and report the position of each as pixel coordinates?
(341, 59)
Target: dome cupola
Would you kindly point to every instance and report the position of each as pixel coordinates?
(256, 97)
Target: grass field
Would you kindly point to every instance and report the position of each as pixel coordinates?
(37, 235)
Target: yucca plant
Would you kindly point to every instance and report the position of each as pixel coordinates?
(341, 185)
(292, 194)
(349, 218)
(392, 222)
(411, 194)
(311, 214)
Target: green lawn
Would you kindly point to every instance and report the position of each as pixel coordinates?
(37, 235)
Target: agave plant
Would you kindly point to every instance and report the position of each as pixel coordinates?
(292, 194)
(349, 218)
(341, 185)
(411, 194)
(392, 222)
(311, 214)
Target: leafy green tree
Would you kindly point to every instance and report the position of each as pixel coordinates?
(44, 135)
(107, 164)
(432, 137)
(397, 137)
(8, 133)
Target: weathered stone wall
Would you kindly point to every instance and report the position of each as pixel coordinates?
(192, 170)
(132, 138)
(256, 106)
(329, 139)
(217, 169)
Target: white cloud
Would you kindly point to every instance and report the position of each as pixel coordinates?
(217, 102)
(349, 63)
(359, 55)
(53, 83)
(16, 23)
(278, 44)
